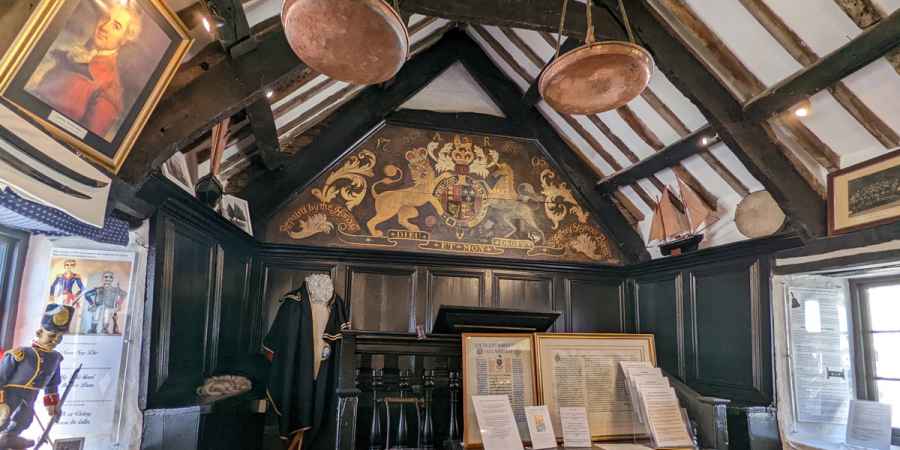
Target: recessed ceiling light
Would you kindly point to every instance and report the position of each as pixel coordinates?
(801, 111)
(269, 93)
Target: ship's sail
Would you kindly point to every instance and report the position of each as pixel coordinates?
(671, 222)
(698, 214)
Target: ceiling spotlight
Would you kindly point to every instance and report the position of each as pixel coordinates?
(803, 108)
(206, 25)
(269, 93)
(709, 140)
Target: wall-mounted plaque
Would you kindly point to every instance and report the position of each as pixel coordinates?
(583, 370)
(497, 364)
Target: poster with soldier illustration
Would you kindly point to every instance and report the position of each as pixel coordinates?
(96, 285)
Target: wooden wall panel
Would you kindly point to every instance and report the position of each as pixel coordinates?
(382, 299)
(447, 287)
(727, 342)
(235, 294)
(185, 311)
(656, 302)
(597, 306)
(534, 293)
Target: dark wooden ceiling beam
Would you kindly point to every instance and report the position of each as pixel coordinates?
(230, 22)
(805, 55)
(262, 123)
(538, 15)
(748, 140)
(663, 159)
(216, 92)
(464, 121)
(856, 54)
(714, 163)
(216, 87)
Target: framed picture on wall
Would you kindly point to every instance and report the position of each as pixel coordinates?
(580, 369)
(865, 194)
(91, 71)
(497, 364)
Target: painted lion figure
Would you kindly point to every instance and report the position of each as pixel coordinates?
(405, 203)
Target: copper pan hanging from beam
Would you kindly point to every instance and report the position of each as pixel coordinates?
(356, 41)
(596, 77)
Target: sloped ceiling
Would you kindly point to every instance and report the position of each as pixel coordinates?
(749, 45)
(752, 45)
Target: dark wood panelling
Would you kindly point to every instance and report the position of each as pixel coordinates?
(235, 294)
(382, 299)
(183, 310)
(454, 288)
(522, 291)
(597, 306)
(727, 331)
(657, 303)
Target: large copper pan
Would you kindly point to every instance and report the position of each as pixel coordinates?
(596, 77)
(357, 41)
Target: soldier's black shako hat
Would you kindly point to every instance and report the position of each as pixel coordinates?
(57, 318)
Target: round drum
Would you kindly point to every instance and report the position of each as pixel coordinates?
(357, 41)
(758, 215)
(596, 77)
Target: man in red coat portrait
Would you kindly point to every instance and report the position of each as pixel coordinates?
(84, 83)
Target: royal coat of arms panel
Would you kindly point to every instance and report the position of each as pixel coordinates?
(445, 192)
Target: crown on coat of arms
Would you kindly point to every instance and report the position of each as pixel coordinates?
(462, 153)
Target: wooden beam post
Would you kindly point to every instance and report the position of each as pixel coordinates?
(852, 56)
(219, 91)
(539, 15)
(665, 158)
(262, 122)
(750, 141)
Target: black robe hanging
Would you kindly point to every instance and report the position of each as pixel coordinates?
(304, 403)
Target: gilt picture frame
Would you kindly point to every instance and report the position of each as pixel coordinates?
(864, 195)
(90, 72)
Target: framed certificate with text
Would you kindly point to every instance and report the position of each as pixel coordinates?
(497, 364)
(583, 370)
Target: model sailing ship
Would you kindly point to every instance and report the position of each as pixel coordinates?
(676, 229)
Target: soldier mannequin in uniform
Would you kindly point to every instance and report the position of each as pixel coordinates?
(303, 346)
(26, 370)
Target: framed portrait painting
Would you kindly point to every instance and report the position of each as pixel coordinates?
(91, 71)
(865, 194)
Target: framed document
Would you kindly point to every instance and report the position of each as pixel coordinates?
(497, 364)
(583, 370)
